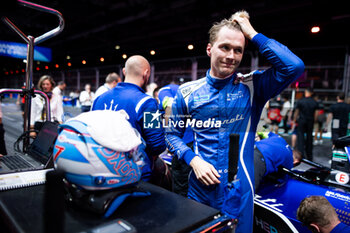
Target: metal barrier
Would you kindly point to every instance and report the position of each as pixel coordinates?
(28, 91)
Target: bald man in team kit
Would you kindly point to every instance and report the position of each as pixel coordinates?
(130, 96)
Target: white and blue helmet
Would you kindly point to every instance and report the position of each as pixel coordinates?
(89, 164)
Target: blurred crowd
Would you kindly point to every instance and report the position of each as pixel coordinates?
(306, 119)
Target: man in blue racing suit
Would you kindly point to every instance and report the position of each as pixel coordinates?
(226, 102)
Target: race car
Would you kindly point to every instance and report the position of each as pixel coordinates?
(279, 195)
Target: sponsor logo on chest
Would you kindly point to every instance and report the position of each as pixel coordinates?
(234, 96)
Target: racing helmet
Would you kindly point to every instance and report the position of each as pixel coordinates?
(90, 165)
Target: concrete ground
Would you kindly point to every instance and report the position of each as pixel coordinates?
(322, 153)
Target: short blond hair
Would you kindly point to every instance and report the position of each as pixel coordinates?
(241, 13)
(214, 30)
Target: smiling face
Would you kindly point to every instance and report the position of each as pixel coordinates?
(46, 86)
(226, 52)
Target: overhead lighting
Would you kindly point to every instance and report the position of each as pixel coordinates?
(124, 56)
(102, 59)
(84, 62)
(315, 29)
(190, 47)
(117, 47)
(68, 57)
(152, 52)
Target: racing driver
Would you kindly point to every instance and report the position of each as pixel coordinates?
(226, 102)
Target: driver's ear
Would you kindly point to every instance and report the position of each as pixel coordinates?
(209, 49)
(314, 228)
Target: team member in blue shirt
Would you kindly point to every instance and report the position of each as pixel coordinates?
(131, 97)
(166, 97)
(180, 169)
(271, 153)
(225, 102)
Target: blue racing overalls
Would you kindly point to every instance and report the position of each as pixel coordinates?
(215, 108)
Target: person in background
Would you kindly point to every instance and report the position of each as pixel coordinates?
(230, 103)
(264, 121)
(58, 92)
(339, 115)
(285, 113)
(318, 215)
(180, 169)
(305, 115)
(3, 150)
(320, 120)
(155, 94)
(38, 106)
(273, 152)
(274, 113)
(86, 98)
(112, 80)
(21, 102)
(74, 95)
(130, 96)
(150, 88)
